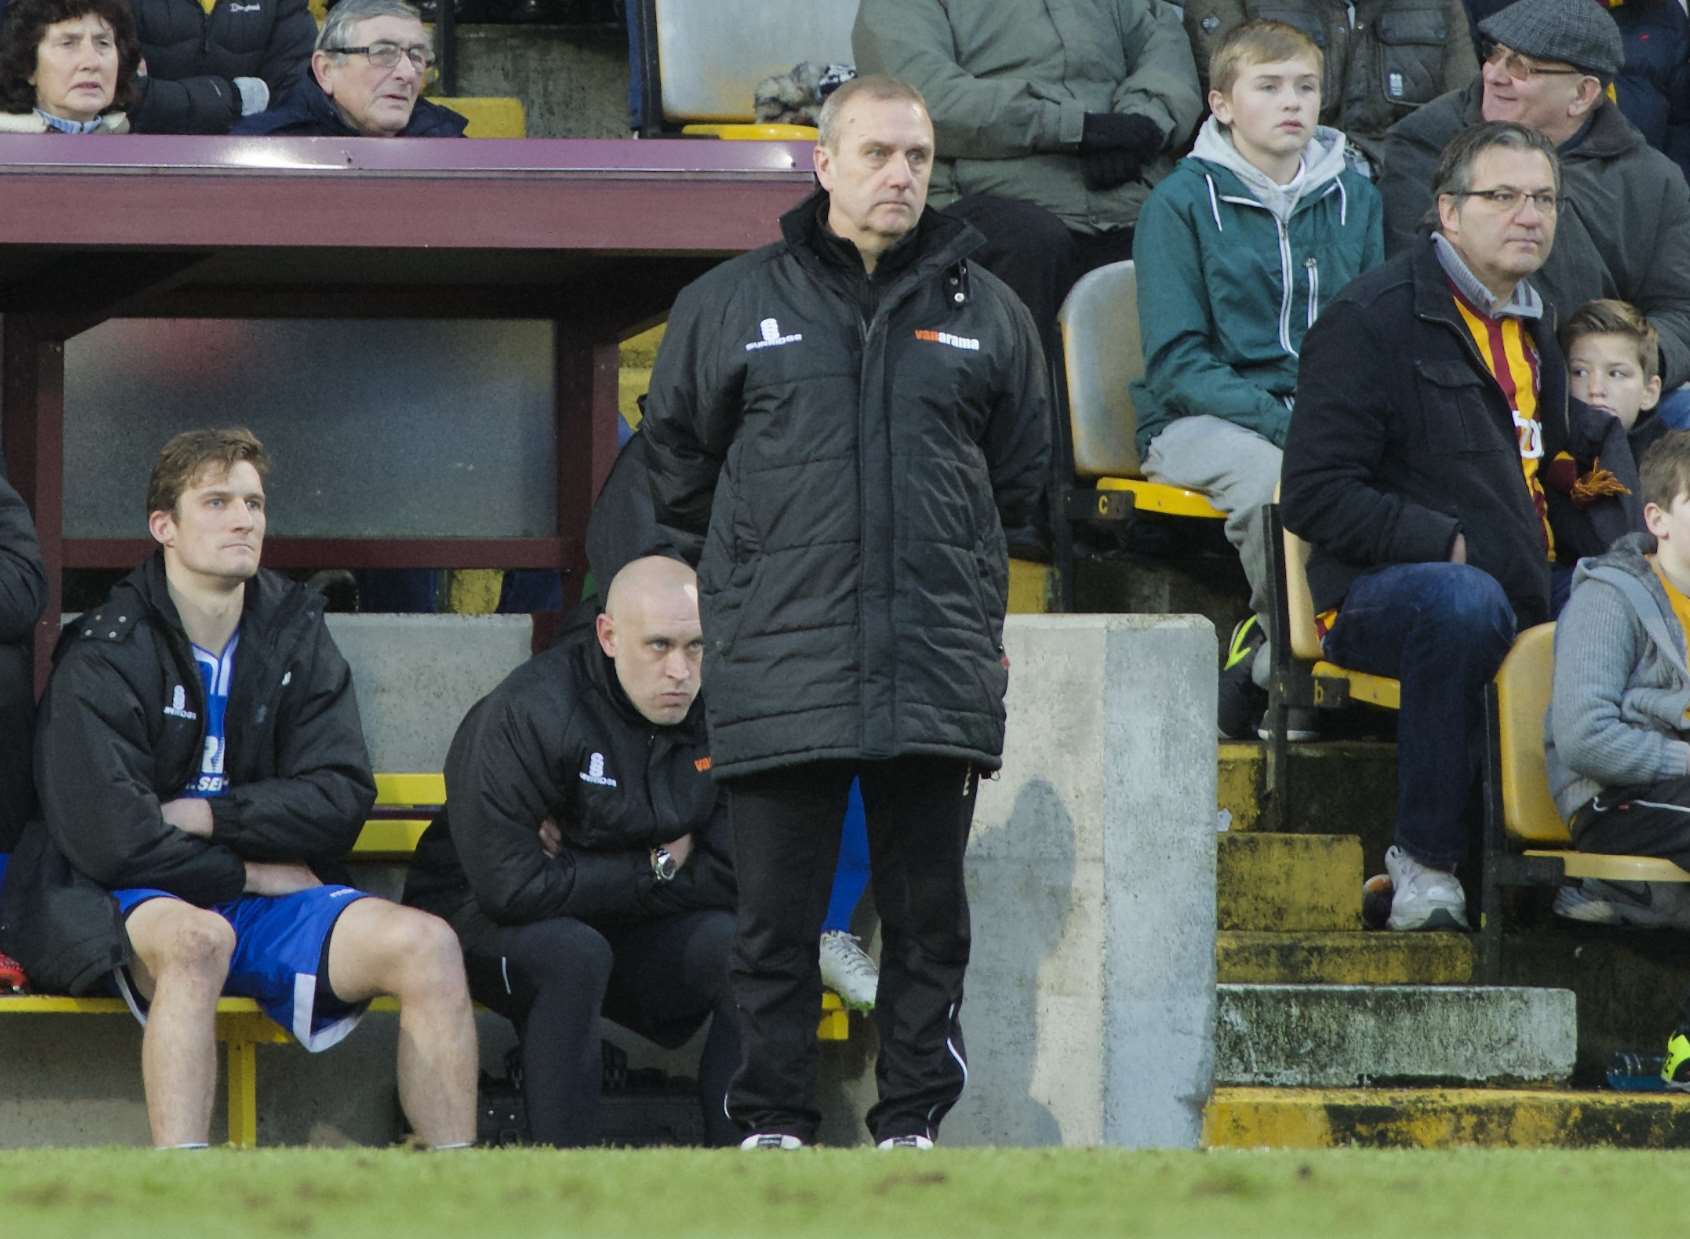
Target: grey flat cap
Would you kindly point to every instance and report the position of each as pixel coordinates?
(1579, 32)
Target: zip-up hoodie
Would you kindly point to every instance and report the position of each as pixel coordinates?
(1617, 715)
(1232, 271)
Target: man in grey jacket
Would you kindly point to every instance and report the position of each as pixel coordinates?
(1624, 226)
(1053, 122)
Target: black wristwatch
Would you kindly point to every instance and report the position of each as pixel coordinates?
(663, 866)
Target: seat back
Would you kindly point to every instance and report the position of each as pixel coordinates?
(1299, 602)
(1522, 697)
(1101, 354)
(712, 53)
(489, 116)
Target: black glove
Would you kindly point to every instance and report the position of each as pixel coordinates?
(1114, 148)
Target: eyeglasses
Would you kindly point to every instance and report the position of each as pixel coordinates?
(386, 55)
(1510, 200)
(1522, 68)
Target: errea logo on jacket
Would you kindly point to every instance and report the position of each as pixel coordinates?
(772, 336)
(594, 773)
(178, 707)
(967, 343)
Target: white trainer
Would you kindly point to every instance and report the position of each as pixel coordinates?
(771, 1140)
(906, 1142)
(1651, 905)
(848, 971)
(1423, 897)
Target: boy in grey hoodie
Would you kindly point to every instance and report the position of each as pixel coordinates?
(1617, 733)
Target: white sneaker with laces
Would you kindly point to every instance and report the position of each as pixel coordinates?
(1423, 897)
(848, 971)
(771, 1140)
(906, 1142)
(1650, 905)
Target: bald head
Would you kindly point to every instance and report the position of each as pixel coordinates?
(650, 631)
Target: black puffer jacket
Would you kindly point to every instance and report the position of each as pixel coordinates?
(858, 448)
(193, 58)
(23, 594)
(121, 731)
(560, 739)
(1402, 439)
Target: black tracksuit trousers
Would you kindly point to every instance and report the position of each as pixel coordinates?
(660, 978)
(786, 842)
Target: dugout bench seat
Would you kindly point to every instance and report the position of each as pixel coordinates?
(1519, 813)
(1099, 476)
(405, 804)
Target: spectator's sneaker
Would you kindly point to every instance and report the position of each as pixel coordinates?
(1240, 703)
(906, 1142)
(1423, 897)
(12, 978)
(771, 1140)
(1302, 724)
(1650, 905)
(1675, 1072)
(848, 971)
(1376, 895)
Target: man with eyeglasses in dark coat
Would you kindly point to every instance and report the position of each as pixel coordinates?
(365, 80)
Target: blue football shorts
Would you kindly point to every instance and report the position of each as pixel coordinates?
(281, 944)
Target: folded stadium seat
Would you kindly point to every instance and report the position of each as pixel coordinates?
(702, 59)
(1301, 678)
(1518, 807)
(489, 116)
(1101, 355)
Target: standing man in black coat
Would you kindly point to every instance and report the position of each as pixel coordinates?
(847, 429)
(23, 594)
(582, 854)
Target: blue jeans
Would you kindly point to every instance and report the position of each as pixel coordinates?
(1442, 630)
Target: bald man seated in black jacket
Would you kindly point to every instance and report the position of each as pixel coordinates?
(583, 857)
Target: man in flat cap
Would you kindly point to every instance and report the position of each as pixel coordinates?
(1624, 222)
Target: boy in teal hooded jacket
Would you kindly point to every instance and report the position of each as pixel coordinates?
(1234, 251)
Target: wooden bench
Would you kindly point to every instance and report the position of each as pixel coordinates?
(405, 804)
(1519, 813)
(1099, 475)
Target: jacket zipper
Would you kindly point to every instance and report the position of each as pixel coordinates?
(1285, 275)
(1313, 268)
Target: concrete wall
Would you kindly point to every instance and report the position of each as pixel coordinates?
(1091, 998)
(573, 81)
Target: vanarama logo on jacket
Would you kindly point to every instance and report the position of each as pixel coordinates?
(944, 337)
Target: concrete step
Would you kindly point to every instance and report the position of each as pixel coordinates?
(1344, 958)
(1444, 1117)
(1343, 787)
(1285, 883)
(1338, 1036)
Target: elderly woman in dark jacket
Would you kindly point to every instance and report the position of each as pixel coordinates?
(67, 66)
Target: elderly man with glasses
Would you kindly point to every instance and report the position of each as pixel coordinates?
(365, 80)
(1433, 427)
(1624, 224)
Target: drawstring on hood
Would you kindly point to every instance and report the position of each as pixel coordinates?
(1323, 160)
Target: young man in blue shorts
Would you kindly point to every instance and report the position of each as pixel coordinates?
(201, 767)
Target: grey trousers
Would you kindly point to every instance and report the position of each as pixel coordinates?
(1238, 470)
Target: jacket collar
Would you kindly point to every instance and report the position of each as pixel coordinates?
(601, 674)
(1604, 135)
(1432, 297)
(937, 240)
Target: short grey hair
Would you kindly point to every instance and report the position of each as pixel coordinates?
(343, 19)
(1455, 165)
(875, 86)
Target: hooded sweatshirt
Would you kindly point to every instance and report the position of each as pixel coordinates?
(1617, 715)
(1232, 271)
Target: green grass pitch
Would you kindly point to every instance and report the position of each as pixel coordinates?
(970, 1193)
